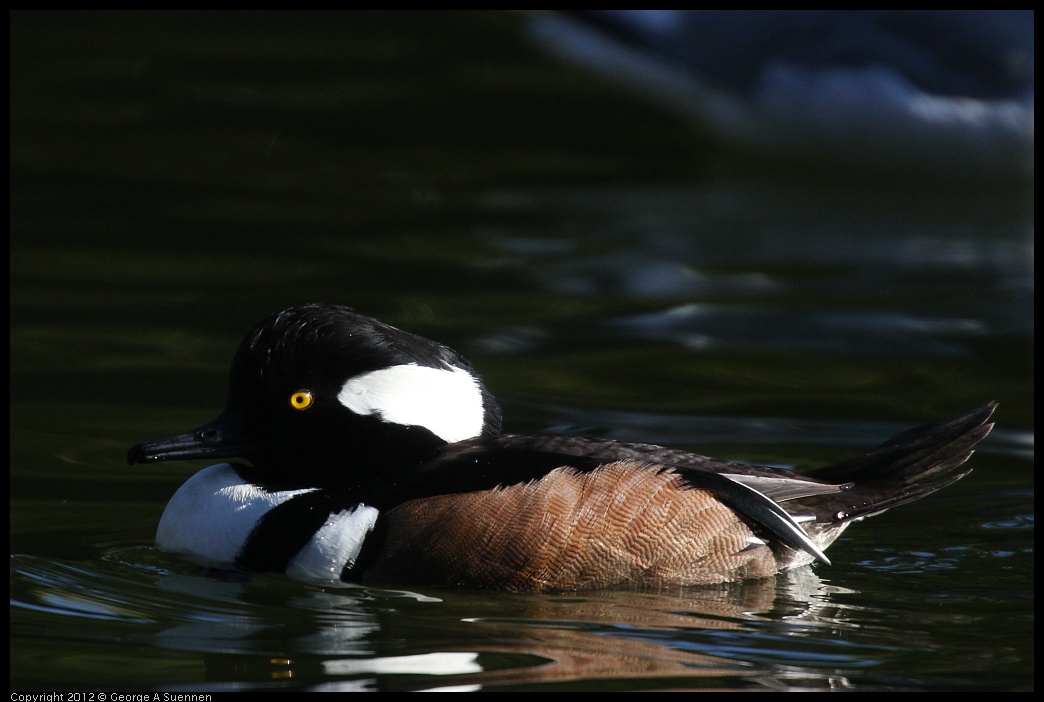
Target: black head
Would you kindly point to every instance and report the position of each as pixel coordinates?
(321, 396)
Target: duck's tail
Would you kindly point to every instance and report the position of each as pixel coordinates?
(905, 468)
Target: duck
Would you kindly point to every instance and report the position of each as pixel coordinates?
(936, 95)
(362, 453)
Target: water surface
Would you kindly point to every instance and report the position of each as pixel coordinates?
(608, 270)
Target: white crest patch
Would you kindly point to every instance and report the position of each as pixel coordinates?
(210, 517)
(448, 402)
(335, 545)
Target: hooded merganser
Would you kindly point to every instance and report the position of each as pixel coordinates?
(376, 454)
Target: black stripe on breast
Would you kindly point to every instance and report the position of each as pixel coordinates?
(370, 552)
(284, 530)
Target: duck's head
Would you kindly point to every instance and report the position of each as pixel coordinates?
(321, 396)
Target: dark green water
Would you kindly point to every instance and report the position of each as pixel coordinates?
(177, 177)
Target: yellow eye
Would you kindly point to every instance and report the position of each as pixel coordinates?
(302, 399)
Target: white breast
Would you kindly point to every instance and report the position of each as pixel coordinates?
(213, 513)
(335, 545)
